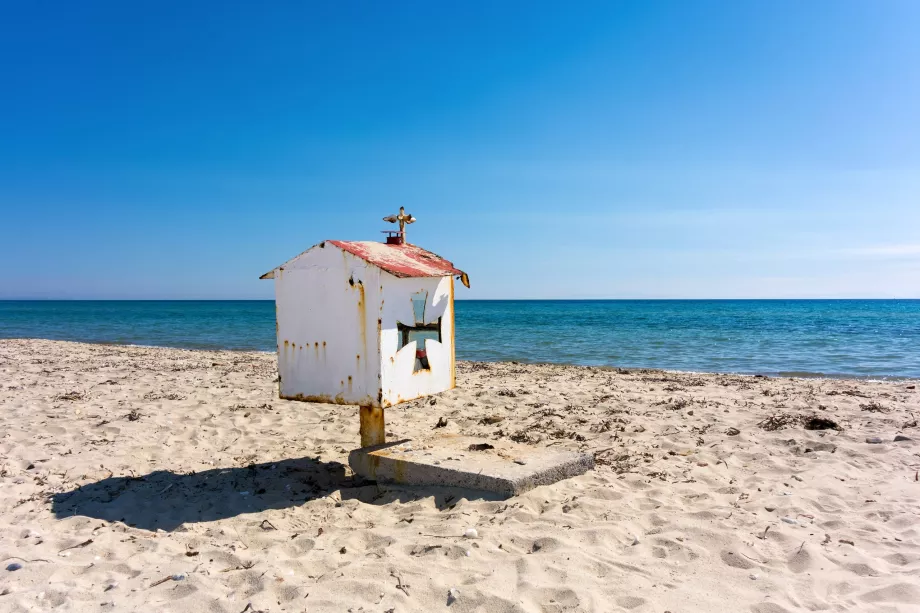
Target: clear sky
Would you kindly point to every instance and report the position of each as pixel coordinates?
(551, 149)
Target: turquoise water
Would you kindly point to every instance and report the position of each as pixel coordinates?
(870, 338)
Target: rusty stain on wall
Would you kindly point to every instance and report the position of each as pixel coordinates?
(362, 315)
(328, 399)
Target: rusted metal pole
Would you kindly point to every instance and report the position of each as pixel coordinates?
(372, 426)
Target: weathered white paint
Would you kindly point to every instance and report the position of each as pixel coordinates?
(327, 333)
(399, 382)
(338, 340)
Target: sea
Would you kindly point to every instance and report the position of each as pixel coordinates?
(837, 338)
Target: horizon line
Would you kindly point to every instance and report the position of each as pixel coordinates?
(455, 299)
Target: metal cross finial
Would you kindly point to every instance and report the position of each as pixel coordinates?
(402, 219)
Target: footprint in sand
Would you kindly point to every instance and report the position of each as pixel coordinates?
(906, 593)
(800, 561)
(899, 559)
(736, 560)
(863, 570)
(768, 607)
(630, 602)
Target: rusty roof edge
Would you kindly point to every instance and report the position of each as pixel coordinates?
(350, 247)
(454, 272)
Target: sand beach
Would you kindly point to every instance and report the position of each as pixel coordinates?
(154, 479)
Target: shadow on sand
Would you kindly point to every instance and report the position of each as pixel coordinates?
(166, 500)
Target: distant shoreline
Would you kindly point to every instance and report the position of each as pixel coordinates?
(864, 339)
(602, 367)
(460, 299)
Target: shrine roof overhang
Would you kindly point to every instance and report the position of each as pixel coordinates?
(400, 260)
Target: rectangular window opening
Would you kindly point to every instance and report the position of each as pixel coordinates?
(419, 333)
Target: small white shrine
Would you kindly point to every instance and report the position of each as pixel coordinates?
(366, 323)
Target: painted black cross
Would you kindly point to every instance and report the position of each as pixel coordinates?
(419, 332)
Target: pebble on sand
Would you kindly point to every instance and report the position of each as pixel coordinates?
(873, 440)
(13, 566)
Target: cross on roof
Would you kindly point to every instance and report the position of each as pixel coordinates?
(402, 219)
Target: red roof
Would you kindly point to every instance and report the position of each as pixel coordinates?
(399, 260)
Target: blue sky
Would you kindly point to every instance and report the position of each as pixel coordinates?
(552, 150)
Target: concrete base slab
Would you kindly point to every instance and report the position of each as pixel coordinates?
(503, 468)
